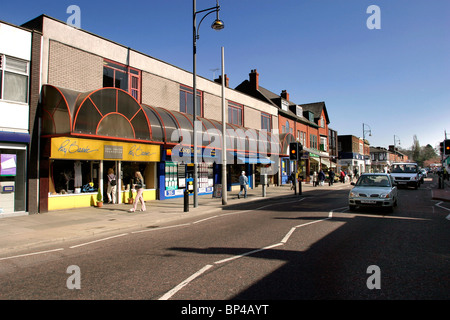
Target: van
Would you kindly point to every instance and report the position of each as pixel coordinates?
(406, 174)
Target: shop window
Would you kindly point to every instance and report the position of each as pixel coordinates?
(116, 75)
(13, 79)
(187, 102)
(12, 180)
(235, 113)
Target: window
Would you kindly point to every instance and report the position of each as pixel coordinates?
(313, 141)
(187, 103)
(13, 79)
(266, 123)
(119, 76)
(235, 113)
(322, 122)
(323, 144)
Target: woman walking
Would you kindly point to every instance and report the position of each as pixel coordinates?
(139, 186)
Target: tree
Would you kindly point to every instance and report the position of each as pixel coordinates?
(416, 150)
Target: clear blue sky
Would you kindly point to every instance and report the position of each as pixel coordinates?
(395, 79)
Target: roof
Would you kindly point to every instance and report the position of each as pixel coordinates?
(316, 108)
(274, 99)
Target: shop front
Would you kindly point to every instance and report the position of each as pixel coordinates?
(84, 136)
(13, 168)
(78, 170)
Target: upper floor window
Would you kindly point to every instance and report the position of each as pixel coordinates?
(235, 113)
(116, 75)
(313, 141)
(14, 75)
(266, 122)
(322, 122)
(187, 101)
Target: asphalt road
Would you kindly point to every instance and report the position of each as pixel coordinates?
(309, 247)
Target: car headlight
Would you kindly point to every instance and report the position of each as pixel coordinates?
(353, 194)
(385, 195)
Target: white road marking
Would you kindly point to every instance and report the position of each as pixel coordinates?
(248, 253)
(31, 254)
(170, 293)
(438, 205)
(99, 240)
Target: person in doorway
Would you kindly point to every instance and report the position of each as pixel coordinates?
(111, 189)
(139, 186)
(243, 182)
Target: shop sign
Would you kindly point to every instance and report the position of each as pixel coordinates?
(113, 152)
(86, 149)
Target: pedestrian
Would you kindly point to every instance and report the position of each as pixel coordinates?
(355, 173)
(111, 189)
(321, 177)
(331, 177)
(139, 186)
(342, 176)
(315, 182)
(243, 182)
(292, 179)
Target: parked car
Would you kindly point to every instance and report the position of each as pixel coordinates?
(374, 190)
(424, 172)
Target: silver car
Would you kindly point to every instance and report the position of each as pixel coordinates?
(373, 190)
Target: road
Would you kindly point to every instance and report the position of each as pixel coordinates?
(307, 247)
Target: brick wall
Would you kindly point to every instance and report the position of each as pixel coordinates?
(73, 68)
(160, 92)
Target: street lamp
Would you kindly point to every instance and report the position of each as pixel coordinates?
(395, 152)
(364, 142)
(216, 25)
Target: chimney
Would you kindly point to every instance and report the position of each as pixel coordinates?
(227, 80)
(254, 79)
(285, 95)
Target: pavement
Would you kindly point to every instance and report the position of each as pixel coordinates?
(26, 232)
(442, 194)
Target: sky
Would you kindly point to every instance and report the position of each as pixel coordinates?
(393, 81)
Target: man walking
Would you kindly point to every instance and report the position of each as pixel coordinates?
(243, 182)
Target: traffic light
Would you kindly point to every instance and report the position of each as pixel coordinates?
(441, 147)
(294, 151)
(447, 147)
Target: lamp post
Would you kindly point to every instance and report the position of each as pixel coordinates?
(395, 152)
(364, 142)
(217, 25)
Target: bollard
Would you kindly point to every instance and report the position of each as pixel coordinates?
(186, 201)
(299, 187)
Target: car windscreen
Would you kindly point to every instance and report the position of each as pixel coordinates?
(404, 168)
(373, 181)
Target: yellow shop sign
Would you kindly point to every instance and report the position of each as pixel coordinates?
(86, 149)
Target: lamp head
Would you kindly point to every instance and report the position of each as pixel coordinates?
(218, 25)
